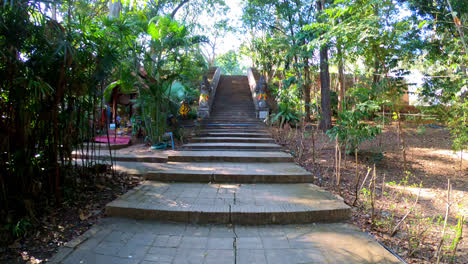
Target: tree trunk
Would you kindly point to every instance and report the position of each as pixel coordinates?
(341, 78)
(114, 8)
(306, 89)
(325, 120)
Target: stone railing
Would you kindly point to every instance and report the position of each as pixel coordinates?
(258, 88)
(208, 92)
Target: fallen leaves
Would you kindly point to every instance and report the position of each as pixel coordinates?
(83, 215)
(60, 225)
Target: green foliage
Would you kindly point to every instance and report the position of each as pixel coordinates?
(458, 124)
(230, 64)
(20, 228)
(57, 74)
(286, 114)
(350, 130)
(169, 62)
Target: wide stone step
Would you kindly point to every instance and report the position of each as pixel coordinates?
(232, 113)
(228, 145)
(232, 130)
(251, 116)
(232, 121)
(104, 155)
(225, 172)
(234, 126)
(107, 146)
(230, 156)
(225, 112)
(230, 203)
(233, 134)
(230, 116)
(231, 139)
(240, 109)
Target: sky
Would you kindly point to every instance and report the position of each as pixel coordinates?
(231, 41)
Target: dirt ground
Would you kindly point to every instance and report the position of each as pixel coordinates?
(430, 163)
(82, 207)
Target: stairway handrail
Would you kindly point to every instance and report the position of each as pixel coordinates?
(257, 87)
(207, 93)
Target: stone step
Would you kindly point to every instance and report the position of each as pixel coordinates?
(229, 156)
(105, 146)
(233, 134)
(224, 172)
(232, 121)
(233, 114)
(231, 139)
(229, 145)
(238, 116)
(214, 172)
(226, 112)
(233, 126)
(104, 155)
(255, 204)
(232, 130)
(226, 108)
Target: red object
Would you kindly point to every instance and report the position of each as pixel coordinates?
(113, 140)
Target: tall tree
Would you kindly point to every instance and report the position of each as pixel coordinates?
(325, 117)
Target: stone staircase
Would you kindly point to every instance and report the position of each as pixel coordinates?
(233, 114)
(213, 204)
(230, 172)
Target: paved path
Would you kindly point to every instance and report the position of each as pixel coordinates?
(121, 241)
(212, 202)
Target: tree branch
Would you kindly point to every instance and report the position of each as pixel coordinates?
(178, 7)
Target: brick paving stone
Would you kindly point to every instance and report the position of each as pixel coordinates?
(219, 256)
(221, 231)
(249, 243)
(190, 256)
(167, 241)
(133, 251)
(120, 236)
(195, 230)
(275, 242)
(194, 242)
(109, 248)
(144, 239)
(251, 256)
(220, 243)
(160, 254)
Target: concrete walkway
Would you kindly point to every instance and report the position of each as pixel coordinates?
(121, 241)
(215, 200)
